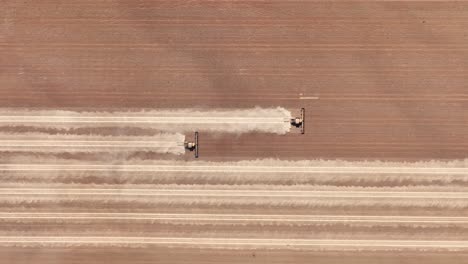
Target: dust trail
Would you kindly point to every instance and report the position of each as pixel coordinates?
(269, 120)
(39, 142)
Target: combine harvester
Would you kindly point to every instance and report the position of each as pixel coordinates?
(299, 122)
(192, 145)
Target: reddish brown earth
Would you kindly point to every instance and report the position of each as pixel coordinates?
(390, 78)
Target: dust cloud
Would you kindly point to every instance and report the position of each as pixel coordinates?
(266, 120)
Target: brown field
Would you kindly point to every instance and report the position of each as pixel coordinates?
(380, 80)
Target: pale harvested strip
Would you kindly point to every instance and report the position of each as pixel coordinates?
(238, 217)
(91, 180)
(124, 199)
(239, 169)
(50, 223)
(233, 242)
(274, 175)
(270, 163)
(247, 175)
(38, 142)
(270, 120)
(233, 193)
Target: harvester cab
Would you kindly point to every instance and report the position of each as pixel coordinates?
(192, 145)
(299, 122)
